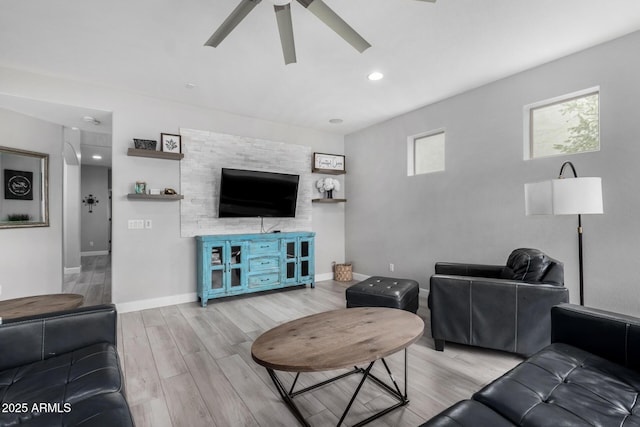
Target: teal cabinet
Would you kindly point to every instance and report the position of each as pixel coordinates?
(241, 263)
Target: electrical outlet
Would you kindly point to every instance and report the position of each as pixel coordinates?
(392, 267)
(91, 243)
(148, 223)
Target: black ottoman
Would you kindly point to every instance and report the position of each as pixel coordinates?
(380, 291)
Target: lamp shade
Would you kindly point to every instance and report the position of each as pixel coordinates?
(566, 196)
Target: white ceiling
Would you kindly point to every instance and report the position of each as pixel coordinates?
(95, 136)
(427, 51)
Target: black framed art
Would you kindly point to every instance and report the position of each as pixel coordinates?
(18, 185)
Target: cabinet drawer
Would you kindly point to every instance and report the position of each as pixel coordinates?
(264, 263)
(264, 246)
(263, 279)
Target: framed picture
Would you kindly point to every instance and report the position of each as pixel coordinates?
(18, 185)
(170, 143)
(328, 163)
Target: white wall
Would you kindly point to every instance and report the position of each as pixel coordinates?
(474, 211)
(158, 263)
(71, 201)
(31, 258)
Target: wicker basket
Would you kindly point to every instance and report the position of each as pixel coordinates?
(343, 273)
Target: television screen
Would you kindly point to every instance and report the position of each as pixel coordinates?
(247, 193)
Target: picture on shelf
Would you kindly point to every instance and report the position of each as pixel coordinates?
(328, 162)
(170, 143)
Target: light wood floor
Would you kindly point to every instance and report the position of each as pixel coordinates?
(191, 366)
(93, 282)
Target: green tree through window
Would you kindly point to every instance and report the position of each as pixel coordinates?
(567, 125)
(585, 135)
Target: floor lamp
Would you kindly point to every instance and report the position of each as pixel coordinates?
(566, 196)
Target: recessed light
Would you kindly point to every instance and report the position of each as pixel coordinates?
(75, 128)
(190, 85)
(335, 121)
(96, 157)
(376, 75)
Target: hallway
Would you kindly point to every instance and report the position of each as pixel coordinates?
(93, 282)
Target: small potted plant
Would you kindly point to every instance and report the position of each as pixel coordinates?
(18, 217)
(328, 185)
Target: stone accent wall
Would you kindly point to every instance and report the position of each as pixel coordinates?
(206, 153)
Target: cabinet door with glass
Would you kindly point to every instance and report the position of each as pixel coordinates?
(306, 258)
(299, 261)
(234, 277)
(212, 275)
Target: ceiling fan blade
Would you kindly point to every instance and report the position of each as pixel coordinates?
(285, 27)
(337, 24)
(238, 14)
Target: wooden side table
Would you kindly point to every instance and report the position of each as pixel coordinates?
(39, 304)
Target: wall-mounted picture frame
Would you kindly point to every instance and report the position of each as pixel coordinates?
(170, 143)
(328, 163)
(18, 185)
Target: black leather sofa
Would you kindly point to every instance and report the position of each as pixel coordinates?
(502, 307)
(62, 369)
(588, 376)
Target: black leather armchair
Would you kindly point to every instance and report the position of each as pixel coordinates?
(500, 307)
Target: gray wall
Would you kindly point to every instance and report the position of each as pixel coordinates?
(31, 258)
(94, 229)
(474, 211)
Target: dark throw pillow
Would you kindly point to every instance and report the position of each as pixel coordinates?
(526, 265)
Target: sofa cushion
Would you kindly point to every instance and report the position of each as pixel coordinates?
(567, 385)
(526, 265)
(70, 379)
(468, 413)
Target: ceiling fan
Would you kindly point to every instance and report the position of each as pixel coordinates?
(285, 27)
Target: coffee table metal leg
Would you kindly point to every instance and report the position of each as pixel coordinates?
(364, 377)
(285, 396)
(396, 393)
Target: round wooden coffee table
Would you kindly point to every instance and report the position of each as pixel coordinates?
(39, 304)
(335, 340)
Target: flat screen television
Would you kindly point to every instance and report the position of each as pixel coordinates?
(248, 193)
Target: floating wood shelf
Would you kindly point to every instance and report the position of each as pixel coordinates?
(135, 196)
(154, 154)
(325, 200)
(328, 171)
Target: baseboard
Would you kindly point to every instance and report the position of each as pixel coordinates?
(126, 307)
(94, 253)
(331, 276)
(324, 276)
(72, 270)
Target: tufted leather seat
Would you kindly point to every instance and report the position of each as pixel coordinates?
(62, 369)
(378, 291)
(587, 377)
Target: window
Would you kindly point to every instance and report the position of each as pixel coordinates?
(565, 125)
(425, 153)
